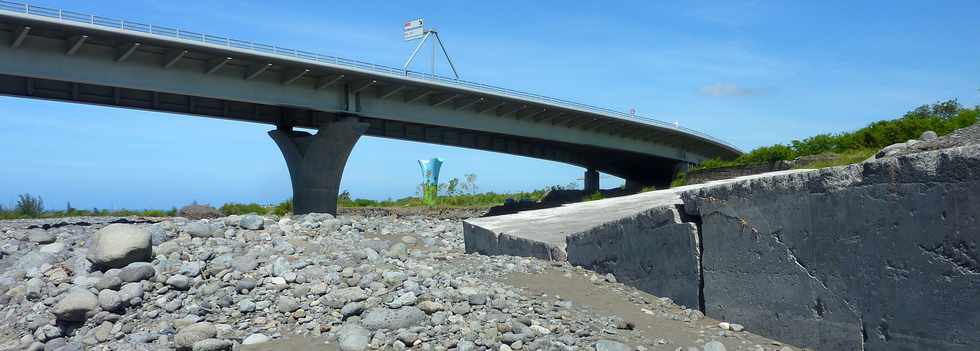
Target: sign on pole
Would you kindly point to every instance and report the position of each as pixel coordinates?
(413, 30)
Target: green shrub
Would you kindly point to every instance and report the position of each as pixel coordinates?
(942, 117)
(29, 206)
(594, 196)
(240, 209)
(283, 208)
(679, 180)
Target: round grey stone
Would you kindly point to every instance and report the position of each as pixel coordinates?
(118, 245)
(353, 337)
(610, 345)
(198, 229)
(714, 346)
(213, 345)
(137, 271)
(287, 304)
(110, 300)
(257, 338)
(76, 306)
(39, 236)
(391, 319)
(251, 222)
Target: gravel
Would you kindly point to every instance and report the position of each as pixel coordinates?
(358, 282)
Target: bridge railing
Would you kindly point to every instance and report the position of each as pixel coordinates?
(182, 34)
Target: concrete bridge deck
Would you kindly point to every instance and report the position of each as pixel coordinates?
(66, 56)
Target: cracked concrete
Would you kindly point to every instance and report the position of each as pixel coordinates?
(874, 256)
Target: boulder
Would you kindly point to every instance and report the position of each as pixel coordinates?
(610, 345)
(353, 337)
(391, 319)
(137, 271)
(76, 306)
(714, 346)
(199, 229)
(213, 345)
(189, 335)
(110, 300)
(39, 236)
(118, 245)
(257, 338)
(251, 222)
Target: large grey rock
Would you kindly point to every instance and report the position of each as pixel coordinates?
(714, 346)
(39, 236)
(391, 319)
(118, 245)
(199, 229)
(610, 345)
(110, 300)
(353, 337)
(251, 222)
(137, 271)
(187, 336)
(52, 248)
(287, 304)
(76, 305)
(131, 293)
(212, 345)
(179, 282)
(349, 294)
(891, 150)
(257, 338)
(928, 136)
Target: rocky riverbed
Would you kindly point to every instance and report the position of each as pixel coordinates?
(317, 282)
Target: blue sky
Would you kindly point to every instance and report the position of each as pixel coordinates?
(752, 73)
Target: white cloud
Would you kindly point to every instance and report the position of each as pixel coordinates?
(727, 89)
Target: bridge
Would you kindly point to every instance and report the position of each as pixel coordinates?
(67, 56)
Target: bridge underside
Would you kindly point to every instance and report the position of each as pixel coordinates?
(637, 169)
(45, 58)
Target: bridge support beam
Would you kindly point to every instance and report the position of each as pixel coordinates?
(591, 181)
(316, 162)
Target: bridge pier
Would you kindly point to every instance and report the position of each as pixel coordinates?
(316, 162)
(591, 181)
(633, 186)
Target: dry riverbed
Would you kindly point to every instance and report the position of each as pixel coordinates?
(316, 282)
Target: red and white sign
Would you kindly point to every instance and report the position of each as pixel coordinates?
(413, 29)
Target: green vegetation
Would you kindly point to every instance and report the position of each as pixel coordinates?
(850, 147)
(594, 196)
(283, 208)
(241, 209)
(456, 193)
(32, 207)
(29, 206)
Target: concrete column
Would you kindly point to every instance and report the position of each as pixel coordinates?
(316, 162)
(591, 181)
(633, 186)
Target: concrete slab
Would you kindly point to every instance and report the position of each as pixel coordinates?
(544, 233)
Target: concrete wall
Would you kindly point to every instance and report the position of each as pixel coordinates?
(875, 256)
(700, 176)
(653, 250)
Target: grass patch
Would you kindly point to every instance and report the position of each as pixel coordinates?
(942, 117)
(842, 159)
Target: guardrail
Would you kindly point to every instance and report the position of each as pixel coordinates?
(178, 33)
